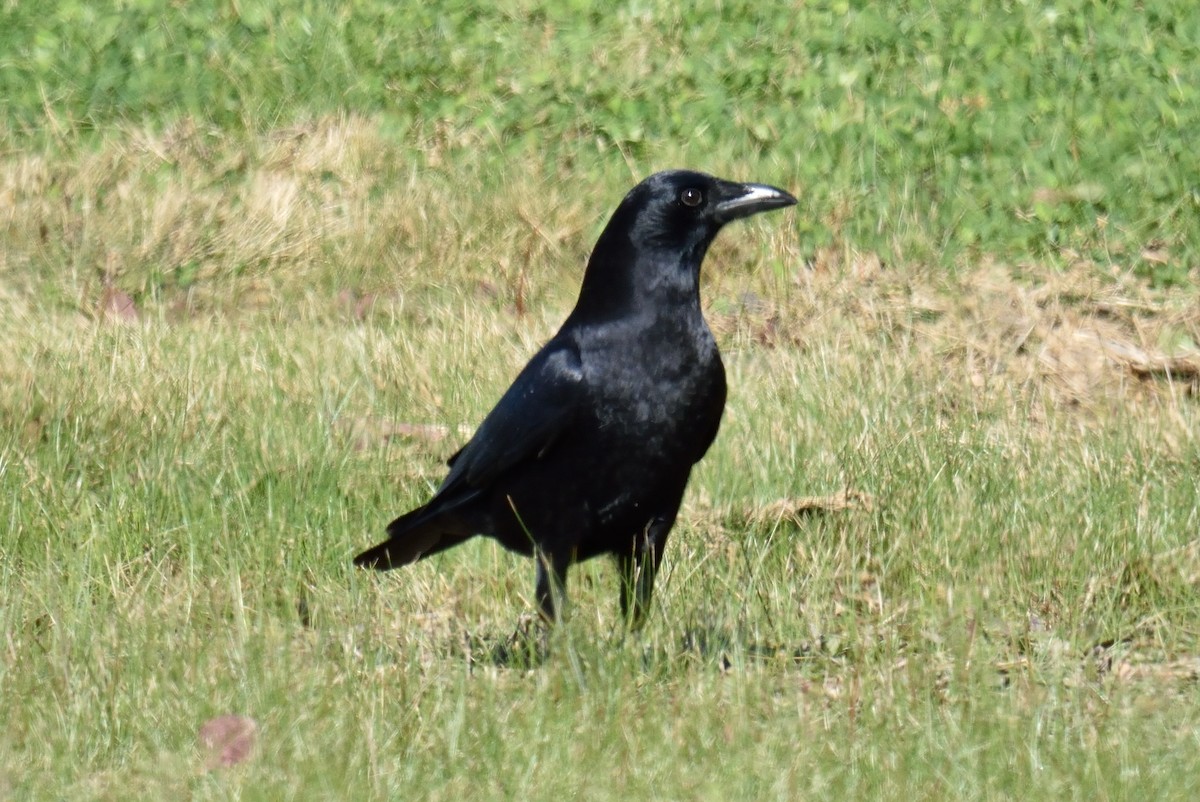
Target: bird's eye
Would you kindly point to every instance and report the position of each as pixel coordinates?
(691, 197)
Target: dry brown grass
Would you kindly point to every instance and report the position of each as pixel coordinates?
(193, 219)
(1095, 340)
(197, 220)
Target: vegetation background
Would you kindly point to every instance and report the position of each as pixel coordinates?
(263, 267)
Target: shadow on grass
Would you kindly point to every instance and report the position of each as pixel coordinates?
(726, 648)
(533, 643)
(526, 647)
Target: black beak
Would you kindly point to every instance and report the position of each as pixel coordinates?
(743, 200)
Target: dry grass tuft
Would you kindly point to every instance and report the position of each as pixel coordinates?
(1084, 339)
(794, 510)
(207, 220)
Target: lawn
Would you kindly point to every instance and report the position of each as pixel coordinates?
(264, 268)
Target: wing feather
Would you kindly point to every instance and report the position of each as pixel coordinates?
(536, 410)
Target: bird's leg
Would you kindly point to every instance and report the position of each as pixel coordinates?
(551, 583)
(638, 570)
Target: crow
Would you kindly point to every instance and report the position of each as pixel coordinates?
(590, 449)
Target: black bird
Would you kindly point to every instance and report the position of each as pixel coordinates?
(589, 451)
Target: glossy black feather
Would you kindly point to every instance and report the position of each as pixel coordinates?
(590, 449)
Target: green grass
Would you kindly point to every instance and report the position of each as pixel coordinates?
(932, 131)
(240, 249)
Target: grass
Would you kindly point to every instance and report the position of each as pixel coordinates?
(946, 543)
(1075, 137)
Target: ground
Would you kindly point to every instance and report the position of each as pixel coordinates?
(945, 544)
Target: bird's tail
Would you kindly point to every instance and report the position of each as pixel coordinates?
(413, 537)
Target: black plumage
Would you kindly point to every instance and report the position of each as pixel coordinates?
(590, 449)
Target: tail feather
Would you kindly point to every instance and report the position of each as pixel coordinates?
(414, 536)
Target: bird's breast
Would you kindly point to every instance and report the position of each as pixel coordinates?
(658, 387)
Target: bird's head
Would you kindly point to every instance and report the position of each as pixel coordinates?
(682, 208)
(660, 232)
